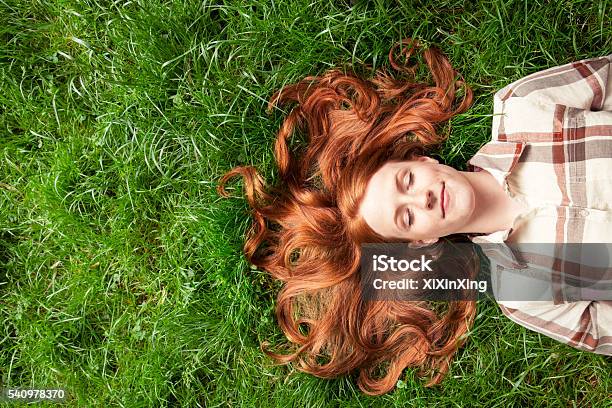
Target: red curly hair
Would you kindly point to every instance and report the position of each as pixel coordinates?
(307, 231)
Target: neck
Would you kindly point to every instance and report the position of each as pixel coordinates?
(494, 209)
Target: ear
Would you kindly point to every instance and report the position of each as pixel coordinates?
(421, 243)
(426, 159)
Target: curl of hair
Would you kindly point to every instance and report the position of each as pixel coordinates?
(307, 231)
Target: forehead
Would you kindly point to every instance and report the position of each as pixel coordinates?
(383, 180)
(386, 170)
(378, 207)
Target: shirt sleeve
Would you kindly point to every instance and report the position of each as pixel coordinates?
(584, 84)
(585, 325)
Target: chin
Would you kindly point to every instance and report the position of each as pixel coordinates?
(461, 199)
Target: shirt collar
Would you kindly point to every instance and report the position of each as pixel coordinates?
(498, 158)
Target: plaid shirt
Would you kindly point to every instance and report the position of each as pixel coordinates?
(552, 150)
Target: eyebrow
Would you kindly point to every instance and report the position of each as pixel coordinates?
(398, 185)
(398, 179)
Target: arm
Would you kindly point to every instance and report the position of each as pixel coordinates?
(584, 325)
(540, 106)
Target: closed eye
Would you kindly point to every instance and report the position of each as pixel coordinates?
(410, 181)
(407, 217)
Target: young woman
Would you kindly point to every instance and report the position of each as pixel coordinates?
(365, 176)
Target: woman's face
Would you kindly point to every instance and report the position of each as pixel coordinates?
(403, 199)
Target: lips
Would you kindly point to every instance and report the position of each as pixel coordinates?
(442, 200)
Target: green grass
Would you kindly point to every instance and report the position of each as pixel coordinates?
(121, 273)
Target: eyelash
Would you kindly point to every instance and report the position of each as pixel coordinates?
(409, 217)
(410, 180)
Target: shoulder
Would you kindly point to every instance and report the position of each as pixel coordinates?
(579, 84)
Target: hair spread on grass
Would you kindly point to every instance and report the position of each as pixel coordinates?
(307, 232)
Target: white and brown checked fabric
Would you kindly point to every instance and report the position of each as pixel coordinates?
(552, 149)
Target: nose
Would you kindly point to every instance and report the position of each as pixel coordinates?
(423, 199)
